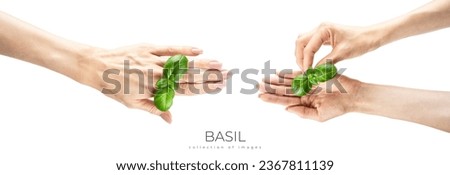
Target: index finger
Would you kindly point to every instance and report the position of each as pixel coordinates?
(174, 50)
(300, 45)
(317, 40)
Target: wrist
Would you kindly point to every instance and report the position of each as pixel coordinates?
(378, 35)
(84, 68)
(361, 102)
(371, 99)
(71, 60)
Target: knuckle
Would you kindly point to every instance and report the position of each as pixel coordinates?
(170, 50)
(323, 30)
(325, 25)
(300, 41)
(143, 45)
(309, 52)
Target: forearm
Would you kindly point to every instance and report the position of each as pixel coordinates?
(430, 17)
(28, 43)
(431, 108)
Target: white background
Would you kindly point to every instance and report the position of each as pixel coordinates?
(50, 124)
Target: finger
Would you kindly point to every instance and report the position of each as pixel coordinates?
(201, 76)
(304, 111)
(289, 74)
(279, 99)
(200, 88)
(276, 80)
(149, 106)
(197, 63)
(205, 64)
(275, 89)
(174, 50)
(314, 45)
(300, 45)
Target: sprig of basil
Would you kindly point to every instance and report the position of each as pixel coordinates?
(302, 84)
(174, 68)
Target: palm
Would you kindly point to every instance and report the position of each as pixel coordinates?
(323, 103)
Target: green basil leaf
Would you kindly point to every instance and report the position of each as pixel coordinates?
(180, 67)
(174, 84)
(312, 76)
(168, 69)
(164, 83)
(174, 59)
(164, 98)
(174, 68)
(172, 65)
(300, 85)
(313, 81)
(310, 71)
(325, 72)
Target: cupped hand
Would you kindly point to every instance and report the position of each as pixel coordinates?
(346, 41)
(321, 104)
(129, 74)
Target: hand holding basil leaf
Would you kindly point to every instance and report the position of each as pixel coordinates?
(302, 84)
(174, 68)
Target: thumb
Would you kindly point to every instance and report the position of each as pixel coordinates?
(174, 50)
(332, 57)
(148, 105)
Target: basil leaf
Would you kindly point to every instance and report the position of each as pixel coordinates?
(312, 76)
(164, 83)
(174, 64)
(168, 68)
(174, 68)
(300, 85)
(175, 58)
(325, 72)
(164, 98)
(180, 67)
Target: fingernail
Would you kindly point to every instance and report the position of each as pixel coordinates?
(196, 51)
(259, 95)
(215, 65)
(166, 117)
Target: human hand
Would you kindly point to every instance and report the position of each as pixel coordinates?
(322, 104)
(129, 74)
(346, 41)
